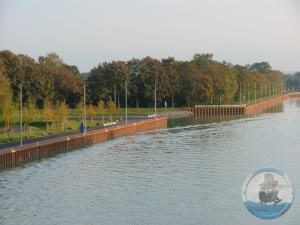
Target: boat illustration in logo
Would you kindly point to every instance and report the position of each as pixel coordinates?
(268, 193)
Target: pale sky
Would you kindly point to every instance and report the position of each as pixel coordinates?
(88, 32)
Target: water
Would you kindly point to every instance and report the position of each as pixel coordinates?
(190, 173)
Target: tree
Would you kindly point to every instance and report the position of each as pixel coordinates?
(151, 72)
(91, 111)
(97, 88)
(48, 114)
(29, 116)
(101, 108)
(31, 73)
(111, 106)
(67, 86)
(203, 60)
(170, 66)
(11, 67)
(61, 113)
(46, 80)
(262, 67)
(136, 86)
(56, 61)
(6, 111)
(115, 75)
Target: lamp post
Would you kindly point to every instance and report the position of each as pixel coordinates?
(126, 101)
(255, 92)
(155, 99)
(84, 110)
(261, 90)
(21, 100)
(240, 93)
(248, 94)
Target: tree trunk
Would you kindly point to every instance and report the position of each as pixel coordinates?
(173, 104)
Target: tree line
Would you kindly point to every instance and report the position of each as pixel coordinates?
(293, 81)
(202, 80)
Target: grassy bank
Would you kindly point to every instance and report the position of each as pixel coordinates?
(121, 111)
(39, 129)
(39, 126)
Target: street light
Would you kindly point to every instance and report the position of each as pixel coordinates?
(261, 90)
(155, 99)
(21, 109)
(248, 94)
(240, 93)
(255, 92)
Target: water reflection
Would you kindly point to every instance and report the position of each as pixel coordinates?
(190, 173)
(274, 109)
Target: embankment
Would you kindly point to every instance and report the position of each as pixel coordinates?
(30, 152)
(256, 108)
(259, 107)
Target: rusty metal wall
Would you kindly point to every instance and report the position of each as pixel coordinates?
(19, 155)
(236, 110)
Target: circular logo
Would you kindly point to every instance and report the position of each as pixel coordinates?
(268, 193)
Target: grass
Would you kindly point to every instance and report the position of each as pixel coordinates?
(38, 129)
(121, 111)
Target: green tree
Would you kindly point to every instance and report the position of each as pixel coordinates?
(11, 67)
(67, 86)
(6, 111)
(171, 68)
(262, 67)
(61, 113)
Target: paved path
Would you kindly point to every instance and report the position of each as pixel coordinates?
(33, 140)
(130, 118)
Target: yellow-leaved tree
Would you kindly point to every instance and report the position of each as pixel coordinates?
(61, 113)
(6, 109)
(91, 111)
(100, 108)
(29, 115)
(48, 114)
(111, 106)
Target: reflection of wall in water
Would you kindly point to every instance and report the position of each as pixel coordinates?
(274, 109)
(298, 103)
(191, 120)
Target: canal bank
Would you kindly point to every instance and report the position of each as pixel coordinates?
(190, 173)
(34, 151)
(256, 108)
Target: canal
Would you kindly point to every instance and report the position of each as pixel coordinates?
(190, 173)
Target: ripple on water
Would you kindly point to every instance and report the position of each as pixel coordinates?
(189, 173)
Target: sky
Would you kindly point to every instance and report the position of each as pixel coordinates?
(86, 33)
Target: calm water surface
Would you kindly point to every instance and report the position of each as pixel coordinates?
(189, 173)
